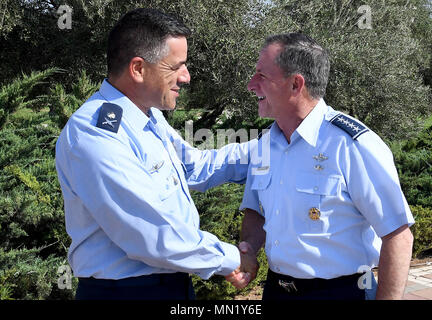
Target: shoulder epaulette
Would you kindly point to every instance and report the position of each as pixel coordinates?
(110, 116)
(351, 126)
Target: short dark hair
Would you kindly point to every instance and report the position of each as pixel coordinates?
(141, 33)
(301, 54)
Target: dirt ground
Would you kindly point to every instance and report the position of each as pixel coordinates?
(254, 294)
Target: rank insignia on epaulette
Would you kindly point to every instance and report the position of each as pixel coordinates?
(351, 126)
(110, 117)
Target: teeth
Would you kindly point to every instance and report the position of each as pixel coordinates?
(261, 98)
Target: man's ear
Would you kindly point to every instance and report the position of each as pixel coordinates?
(137, 69)
(298, 83)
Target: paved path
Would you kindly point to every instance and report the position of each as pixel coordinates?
(419, 285)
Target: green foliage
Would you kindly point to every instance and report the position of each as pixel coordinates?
(62, 104)
(31, 204)
(413, 158)
(15, 96)
(24, 275)
(422, 229)
(30, 200)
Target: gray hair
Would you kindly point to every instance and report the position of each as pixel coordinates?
(301, 54)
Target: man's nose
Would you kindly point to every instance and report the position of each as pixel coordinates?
(252, 84)
(184, 75)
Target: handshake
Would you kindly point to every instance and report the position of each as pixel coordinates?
(248, 268)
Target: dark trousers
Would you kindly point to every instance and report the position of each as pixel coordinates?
(166, 286)
(283, 287)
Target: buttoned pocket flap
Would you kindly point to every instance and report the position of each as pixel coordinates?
(318, 184)
(261, 181)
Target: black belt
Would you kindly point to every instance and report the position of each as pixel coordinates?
(297, 286)
(145, 280)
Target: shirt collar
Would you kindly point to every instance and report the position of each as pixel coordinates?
(309, 127)
(131, 112)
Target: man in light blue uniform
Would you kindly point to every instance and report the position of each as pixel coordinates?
(327, 201)
(124, 173)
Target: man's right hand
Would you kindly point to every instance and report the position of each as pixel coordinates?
(248, 268)
(238, 278)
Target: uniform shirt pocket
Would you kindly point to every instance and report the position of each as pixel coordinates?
(261, 185)
(318, 184)
(261, 181)
(312, 192)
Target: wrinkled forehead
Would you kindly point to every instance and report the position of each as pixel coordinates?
(268, 55)
(176, 49)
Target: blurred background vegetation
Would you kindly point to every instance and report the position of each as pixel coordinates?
(381, 75)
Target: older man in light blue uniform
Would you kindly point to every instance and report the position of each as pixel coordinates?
(327, 192)
(124, 173)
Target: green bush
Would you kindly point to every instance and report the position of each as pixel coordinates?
(24, 275)
(413, 158)
(31, 204)
(422, 229)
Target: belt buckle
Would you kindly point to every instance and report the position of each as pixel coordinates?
(288, 286)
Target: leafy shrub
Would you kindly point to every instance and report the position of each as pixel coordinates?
(25, 275)
(413, 158)
(422, 229)
(31, 204)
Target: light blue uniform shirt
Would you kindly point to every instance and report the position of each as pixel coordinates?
(128, 209)
(352, 182)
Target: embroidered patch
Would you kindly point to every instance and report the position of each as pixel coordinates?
(351, 126)
(110, 117)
